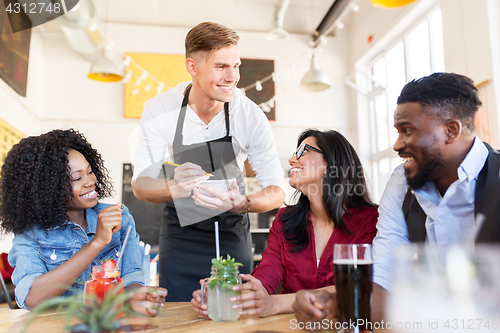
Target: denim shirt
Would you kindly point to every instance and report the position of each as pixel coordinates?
(37, 251)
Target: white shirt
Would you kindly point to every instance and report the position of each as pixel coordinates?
(249, 128)
(449, 219)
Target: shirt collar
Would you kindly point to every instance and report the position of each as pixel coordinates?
(474, 161)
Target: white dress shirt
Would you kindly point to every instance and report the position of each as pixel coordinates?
(249, 128)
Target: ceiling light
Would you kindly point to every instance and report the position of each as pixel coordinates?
(390, 3)
(106, 70)
(314, 79)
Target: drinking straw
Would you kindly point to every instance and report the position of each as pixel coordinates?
(217, 253)
(217, 249)
(123, 246)
(355, 255)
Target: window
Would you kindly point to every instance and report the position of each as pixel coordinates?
(419, 52)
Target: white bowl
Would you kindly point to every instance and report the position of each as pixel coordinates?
(219, 185)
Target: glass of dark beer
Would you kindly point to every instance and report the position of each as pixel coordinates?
(353, 272)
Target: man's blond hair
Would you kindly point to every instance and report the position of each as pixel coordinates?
(208, 37)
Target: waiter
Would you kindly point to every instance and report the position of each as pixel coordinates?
(205, 126)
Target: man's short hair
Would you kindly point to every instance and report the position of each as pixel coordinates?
(445, 96)
(208, 37)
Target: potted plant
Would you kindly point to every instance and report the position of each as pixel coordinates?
(95, 315)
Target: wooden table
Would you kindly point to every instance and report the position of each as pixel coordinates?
(175, 317)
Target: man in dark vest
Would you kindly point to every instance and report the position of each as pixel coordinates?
(448, 177)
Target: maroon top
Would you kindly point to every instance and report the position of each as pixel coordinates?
(299, 270)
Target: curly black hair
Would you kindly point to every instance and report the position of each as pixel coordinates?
(445, 96)
(35, 183)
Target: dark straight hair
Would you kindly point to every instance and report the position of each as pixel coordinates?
(344, 186)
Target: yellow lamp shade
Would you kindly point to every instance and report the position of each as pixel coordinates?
(106, 70)
(390, 3)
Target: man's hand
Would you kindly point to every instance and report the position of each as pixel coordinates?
(148, 301)
(315, 305)
(187, 177)
(109, 221)
(255, 300)
(231, 200)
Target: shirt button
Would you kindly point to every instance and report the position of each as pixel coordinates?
(439, 220)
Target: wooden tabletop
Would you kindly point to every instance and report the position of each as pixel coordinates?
(174, 317)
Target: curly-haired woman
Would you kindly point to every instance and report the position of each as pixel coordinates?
(49, 190)
(333, 207)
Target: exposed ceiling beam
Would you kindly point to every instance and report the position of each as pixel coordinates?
(335, 14)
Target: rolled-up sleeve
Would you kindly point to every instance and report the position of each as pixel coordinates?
(152, 143)
(24, 258)
(134, 253)
(270, 271)
(391, 228)
(261, 150)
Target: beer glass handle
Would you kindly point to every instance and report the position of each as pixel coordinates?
(204, 285)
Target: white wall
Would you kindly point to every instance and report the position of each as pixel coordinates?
(470, 28)
(66, 98)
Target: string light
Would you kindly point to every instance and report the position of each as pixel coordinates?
(127, 77)
(264, 107)
(258, 86)
(145, 75)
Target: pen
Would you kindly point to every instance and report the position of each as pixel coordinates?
(176, 165)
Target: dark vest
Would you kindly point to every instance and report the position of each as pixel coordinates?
(487, 202)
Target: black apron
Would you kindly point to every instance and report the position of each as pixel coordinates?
(187, 236)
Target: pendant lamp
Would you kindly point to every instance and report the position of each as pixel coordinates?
(314, 79)
(391, 3)
(106, 70)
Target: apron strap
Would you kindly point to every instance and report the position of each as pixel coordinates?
(182, 115)
(226, 114)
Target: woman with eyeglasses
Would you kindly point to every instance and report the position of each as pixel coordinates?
(333, 207)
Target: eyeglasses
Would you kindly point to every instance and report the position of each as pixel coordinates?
(300, 150)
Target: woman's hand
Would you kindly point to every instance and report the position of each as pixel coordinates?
(109, 221)
(197, 306)
(254, 298)
(148, 300)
